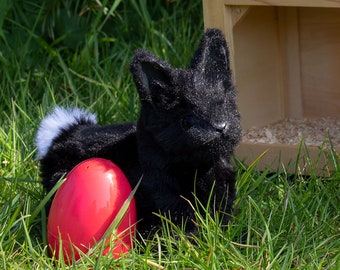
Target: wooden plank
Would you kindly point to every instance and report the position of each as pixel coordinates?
(257, 68)
(284, 157)
(229, 35)
(292, 3)
(213, 14)
(320, 61)
(290, 62)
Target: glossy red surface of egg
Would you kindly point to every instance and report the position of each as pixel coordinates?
(84, 207)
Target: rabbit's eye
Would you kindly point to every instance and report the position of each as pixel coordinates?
(188, 122)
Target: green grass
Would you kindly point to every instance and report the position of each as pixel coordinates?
(50, 55)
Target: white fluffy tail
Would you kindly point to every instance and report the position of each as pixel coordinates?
(60, 119)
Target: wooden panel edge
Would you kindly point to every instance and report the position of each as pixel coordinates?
(288, 21)
(291, 3)
(285, 157)
(213, 14)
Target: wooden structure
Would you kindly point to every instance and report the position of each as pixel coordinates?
(285, 56)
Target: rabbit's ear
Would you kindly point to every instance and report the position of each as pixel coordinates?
(211, 59)
(151, 75)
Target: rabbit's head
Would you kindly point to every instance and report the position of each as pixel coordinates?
(191, 114)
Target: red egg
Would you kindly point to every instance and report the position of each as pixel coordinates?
(84, 207)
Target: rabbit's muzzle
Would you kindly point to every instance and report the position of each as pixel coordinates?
(221, 127)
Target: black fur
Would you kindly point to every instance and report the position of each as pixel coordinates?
(187, 130)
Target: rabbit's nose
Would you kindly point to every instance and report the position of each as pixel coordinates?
(221, 127)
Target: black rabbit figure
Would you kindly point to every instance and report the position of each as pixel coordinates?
(182, 143)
